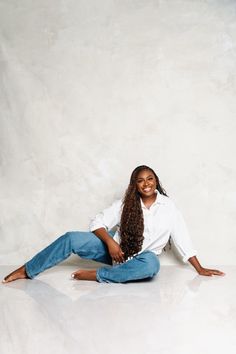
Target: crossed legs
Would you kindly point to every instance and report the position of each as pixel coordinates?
(89, 246)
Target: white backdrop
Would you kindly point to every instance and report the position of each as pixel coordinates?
(91, 89)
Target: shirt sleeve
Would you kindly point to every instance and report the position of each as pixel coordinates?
(181, 238)
(108, 218)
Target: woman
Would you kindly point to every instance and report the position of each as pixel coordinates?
(146, 218)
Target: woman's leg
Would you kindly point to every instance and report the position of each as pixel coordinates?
(84, 244)
(144, 265)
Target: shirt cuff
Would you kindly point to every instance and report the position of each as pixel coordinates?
(189, 255)
(96, 226)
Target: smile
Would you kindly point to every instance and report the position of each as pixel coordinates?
(146, 190)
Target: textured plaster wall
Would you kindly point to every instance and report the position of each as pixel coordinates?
(90, 89)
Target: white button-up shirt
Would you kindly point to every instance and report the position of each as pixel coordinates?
(161, 221)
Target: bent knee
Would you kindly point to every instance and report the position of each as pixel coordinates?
(69, 235)
(73, 238)
(152, 263)
(82, 241)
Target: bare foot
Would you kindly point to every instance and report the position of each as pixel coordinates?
(19, 273)
(84, 275)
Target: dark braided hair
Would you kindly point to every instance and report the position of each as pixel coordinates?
(132, 222)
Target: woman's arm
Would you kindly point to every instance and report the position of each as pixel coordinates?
(180, 235)
(113, 247)
(108, 218)
(203, 271)
(183, 243)
(105, 221)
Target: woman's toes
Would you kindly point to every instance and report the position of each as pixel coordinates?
(75, 275)
(8, 279)
(19, 273)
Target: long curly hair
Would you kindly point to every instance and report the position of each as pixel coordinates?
(132, 222)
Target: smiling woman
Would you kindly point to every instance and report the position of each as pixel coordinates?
(144, 185)
(145, 218)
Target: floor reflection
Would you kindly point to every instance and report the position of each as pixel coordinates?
(87, 316)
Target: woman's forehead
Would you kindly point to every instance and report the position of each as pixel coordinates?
(145, 173)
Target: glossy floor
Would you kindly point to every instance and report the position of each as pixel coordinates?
(177, 312)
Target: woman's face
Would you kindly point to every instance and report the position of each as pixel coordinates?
(146, 183)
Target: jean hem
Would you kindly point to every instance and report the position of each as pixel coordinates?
(99, 279)
(28, 272)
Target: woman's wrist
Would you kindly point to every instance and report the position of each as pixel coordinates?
(110, 241)
(195, 263)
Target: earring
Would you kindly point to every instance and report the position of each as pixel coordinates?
(156, 191)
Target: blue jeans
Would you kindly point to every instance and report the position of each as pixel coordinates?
(89, 246)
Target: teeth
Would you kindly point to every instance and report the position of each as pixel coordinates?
(147, 189)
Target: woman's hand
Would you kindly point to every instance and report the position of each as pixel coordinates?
(201, 270)
(209, 272)
(115, 251)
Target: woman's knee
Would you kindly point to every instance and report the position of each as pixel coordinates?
(69, 236)
(75, 239)
(81, 241)
(152, 263)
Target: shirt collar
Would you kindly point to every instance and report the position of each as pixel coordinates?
(160, 199)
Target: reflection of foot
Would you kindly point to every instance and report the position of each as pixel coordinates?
(84, 275)
(19, 273)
